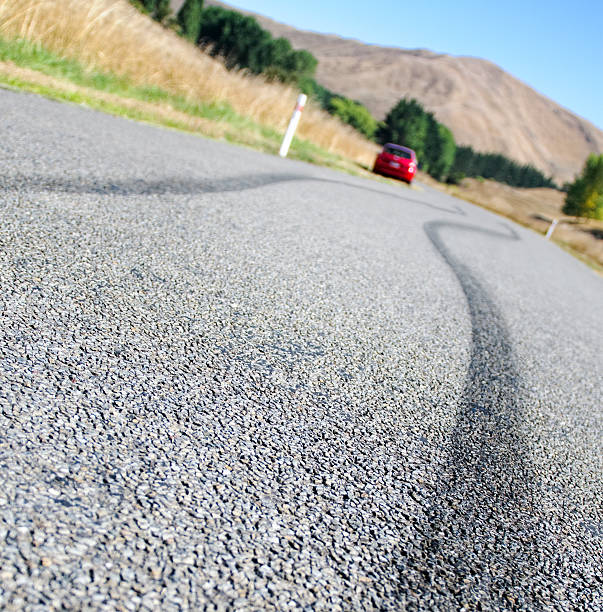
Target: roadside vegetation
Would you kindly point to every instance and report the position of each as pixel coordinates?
(470, 163)
(111, 46)
(136, 59)
(409, 123)
(585, 194)
(244, 44)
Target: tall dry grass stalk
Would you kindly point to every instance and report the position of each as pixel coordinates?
(112, 35)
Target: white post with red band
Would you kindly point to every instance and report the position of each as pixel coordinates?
(299, 107)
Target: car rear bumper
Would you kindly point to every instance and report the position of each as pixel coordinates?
(388, 170)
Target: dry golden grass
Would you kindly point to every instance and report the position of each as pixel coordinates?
(111, 35)
(159, 112)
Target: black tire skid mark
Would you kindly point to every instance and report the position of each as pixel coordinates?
(179, 186)
(480, 538)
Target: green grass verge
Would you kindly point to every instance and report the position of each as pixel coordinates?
(28, 55)
(241, 129)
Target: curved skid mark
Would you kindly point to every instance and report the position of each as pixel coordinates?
(475, 547)
(180, 186)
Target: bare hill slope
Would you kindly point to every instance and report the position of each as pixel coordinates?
(484, 106)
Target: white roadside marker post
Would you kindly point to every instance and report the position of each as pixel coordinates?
(299, 107)
(551, 229)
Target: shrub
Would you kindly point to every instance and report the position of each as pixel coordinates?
(189, 18)
(354, 114)
(585, 195)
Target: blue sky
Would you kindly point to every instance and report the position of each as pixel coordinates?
(555, 47)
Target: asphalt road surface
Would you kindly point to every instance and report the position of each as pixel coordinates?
(231, 381)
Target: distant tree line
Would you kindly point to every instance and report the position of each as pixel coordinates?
(585, 195)
(410, 124)
(244, 44)
(497, 167)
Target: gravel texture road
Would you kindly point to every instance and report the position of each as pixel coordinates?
(231, 381)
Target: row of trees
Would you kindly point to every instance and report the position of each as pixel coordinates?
(410, 124)
(243, 43)
(497, 167)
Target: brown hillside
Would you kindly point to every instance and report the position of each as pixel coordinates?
(484, 106)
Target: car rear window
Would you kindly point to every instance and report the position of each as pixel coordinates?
(399, 152)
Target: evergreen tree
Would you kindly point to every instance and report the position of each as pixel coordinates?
(274, 58)
(585, 195)
(406, 124)
(409, 124)
(157, 9)
(513, 174)
(463, 162)
(503, 173)
(284, 63)
(162, 10)
(446, 149)
(490, 165)
(432, 145)
(301, 63)
(189, 18)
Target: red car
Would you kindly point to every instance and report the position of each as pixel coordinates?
(399, 162)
